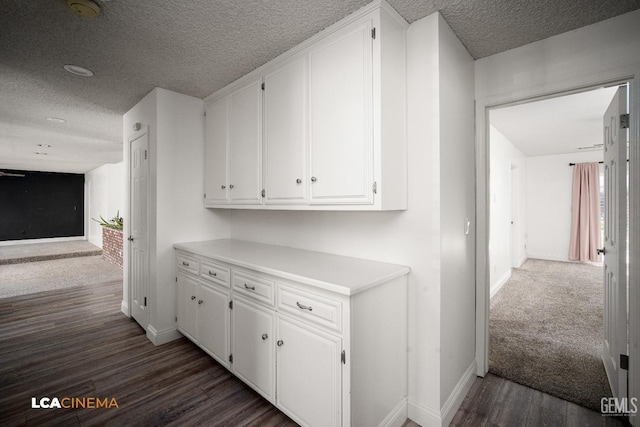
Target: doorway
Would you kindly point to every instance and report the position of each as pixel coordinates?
(525, 217)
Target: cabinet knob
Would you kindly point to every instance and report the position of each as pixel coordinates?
(200, 301)
(303, 307)
(314, 179)
(223, 186)
(212, 273)
(193, 297)
(186, 264)
(280, 343)
(264, 337)
(298, 181)
(251, 288)
(231, 187)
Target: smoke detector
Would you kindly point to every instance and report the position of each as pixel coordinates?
(86, 8)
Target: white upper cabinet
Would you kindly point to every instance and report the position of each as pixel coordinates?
(341, 116)
(215, 153)
(327, 130)
(285, 133)
(245, 145)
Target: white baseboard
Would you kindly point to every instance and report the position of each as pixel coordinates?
(500, 283)
(428, 417)
(48, 240)
(124, 308)
(162, 337)
(550, 257)
(397, 416)
(453, 402)
(522, 261)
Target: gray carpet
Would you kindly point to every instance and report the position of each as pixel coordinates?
(546, 330)
(32, 277)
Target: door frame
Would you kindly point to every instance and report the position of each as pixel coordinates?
(483, 106)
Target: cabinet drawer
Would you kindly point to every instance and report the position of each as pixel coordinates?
(214, 273)
(313, 308)
(257, 288)
(188, 263)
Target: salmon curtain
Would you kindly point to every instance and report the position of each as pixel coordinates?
(585, 213)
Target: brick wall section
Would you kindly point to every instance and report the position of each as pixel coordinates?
(112, 245)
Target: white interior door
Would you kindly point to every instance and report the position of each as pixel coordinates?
(615, 245)
(139, 230)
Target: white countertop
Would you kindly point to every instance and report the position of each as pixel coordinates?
(341, 274)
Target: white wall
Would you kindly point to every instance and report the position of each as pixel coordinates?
(549, 185)
(176, 212)
(503, 157)
(105, 189)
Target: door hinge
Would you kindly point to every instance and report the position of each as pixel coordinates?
(176, 279)
(205, 196)
(262, 85)
(375, 187)
(145, 301)
(231, 358)
(263, 193)
(624, 121)
(145, 154)
(624, 362)
(205, 114)
(373, 33)
(231, 305)
(176, 318)
(343, 357)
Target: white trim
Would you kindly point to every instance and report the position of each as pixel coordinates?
(483, 105)
(397, 416)
(48, 240)
(453, 402)
(504, 279)
(423, 415)
(428, 417)
(162, 337)
(124, 307)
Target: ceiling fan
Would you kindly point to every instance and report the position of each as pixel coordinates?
(20, 175)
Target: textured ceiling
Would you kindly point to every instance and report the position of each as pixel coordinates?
(195, 47)
(557, 125)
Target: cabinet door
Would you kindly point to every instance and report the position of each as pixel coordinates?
(285, 133)
(215, 154)
(187, 294)
(341, 117)
(309, 374)
(245, 145)
(254, 346)
(213, 322)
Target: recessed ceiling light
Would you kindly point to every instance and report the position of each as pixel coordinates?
(56, 120)
(86, 8)
(78, 70)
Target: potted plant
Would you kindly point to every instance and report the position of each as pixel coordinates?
(111, 238)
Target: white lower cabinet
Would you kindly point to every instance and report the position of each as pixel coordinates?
(202, 314)
(253, 340)
(309, 373)
(322, 337)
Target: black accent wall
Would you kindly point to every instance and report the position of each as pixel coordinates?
(41, 205)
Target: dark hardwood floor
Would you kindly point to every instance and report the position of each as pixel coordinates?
(74, 342)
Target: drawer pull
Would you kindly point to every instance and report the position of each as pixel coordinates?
(185, 263)
(280, 343)
(200, 301)
(212, 273)
(264, 337)
(193, 297)
(223, 186)
(251, 288)
(304, 307)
